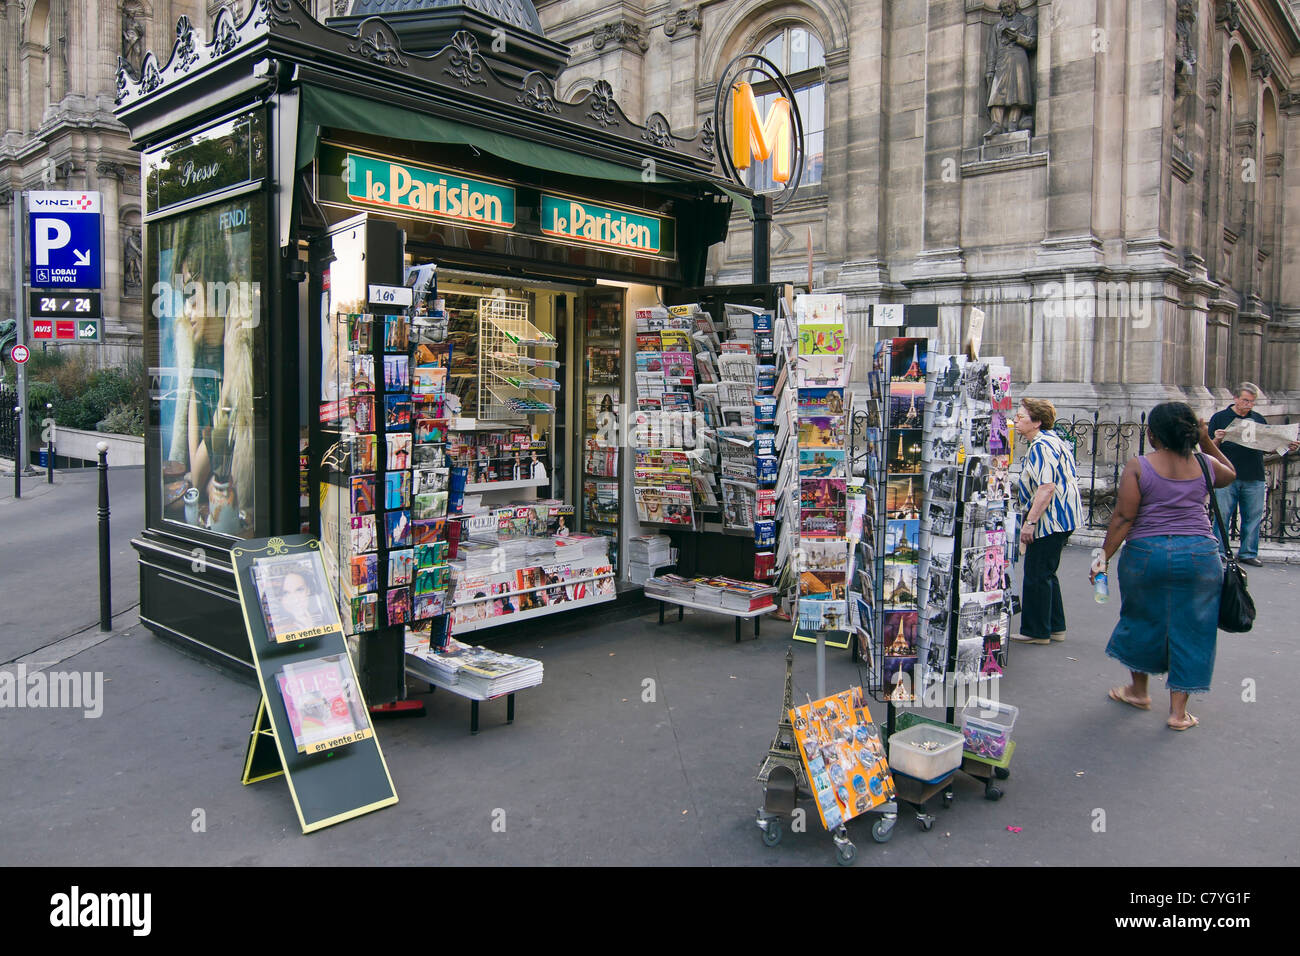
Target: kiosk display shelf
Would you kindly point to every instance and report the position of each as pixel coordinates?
(383, 481)
(526, 562)
(600, 403)
(505, 333)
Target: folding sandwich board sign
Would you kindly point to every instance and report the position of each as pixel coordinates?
(312, 722)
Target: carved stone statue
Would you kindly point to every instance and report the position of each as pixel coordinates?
(1011, 93)
(1184, 61)
(132, 261)
(132, 35)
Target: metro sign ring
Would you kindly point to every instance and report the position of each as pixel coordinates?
(744, 136)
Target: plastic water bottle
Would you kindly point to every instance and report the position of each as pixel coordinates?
(1101, 588)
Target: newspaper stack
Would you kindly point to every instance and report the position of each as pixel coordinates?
(477, 555)
(745, 595)
(671, 586)
(646, 554)
(582, 548)
(708, 591)
(476, 670)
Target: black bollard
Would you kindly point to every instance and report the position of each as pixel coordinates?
(49, 446)
(18, 451)
(105, 583)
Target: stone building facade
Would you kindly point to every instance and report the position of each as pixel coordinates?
(57, 131)
(1124, 228)
(1111, 182)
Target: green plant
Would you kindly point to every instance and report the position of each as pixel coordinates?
(123, 419)
(38, 395)
(83, 398)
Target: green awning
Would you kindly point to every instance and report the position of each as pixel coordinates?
(707, 220)
(322, 107)
(740, 199)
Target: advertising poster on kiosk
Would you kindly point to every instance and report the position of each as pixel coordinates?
(207, 307)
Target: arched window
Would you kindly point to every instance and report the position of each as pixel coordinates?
(799, 54)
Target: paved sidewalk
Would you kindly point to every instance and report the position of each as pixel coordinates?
(592, 774)
(49, 555)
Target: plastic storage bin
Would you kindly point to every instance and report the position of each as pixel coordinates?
(986, 726)
(908, 754)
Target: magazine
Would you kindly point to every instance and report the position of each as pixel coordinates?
(295, 599)
(321, 701)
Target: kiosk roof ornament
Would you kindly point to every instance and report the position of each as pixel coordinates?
(372, 56)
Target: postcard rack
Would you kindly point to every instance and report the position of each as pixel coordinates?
(509, 381)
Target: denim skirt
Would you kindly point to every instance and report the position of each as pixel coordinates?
(1169, 589)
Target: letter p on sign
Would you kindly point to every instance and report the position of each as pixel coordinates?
(50, 234)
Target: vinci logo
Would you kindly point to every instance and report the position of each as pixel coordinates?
(771, 137)
(63, 201)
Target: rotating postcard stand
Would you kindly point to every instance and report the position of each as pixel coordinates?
(312, 722)
(940, 454)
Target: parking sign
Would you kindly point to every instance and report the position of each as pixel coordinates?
(64, 239)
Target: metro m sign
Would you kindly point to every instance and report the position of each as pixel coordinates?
(746, 136)
(769, 138)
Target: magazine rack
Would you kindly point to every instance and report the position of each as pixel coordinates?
(335, 783)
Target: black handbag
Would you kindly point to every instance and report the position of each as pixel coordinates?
(1236, 607)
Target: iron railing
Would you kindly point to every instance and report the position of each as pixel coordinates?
(8, 420)
(1102, 448)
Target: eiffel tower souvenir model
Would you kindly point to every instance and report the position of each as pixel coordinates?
(784, 751)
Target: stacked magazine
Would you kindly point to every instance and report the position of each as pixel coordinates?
(478, 671)
(674, 587)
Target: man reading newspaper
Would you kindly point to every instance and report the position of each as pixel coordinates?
(1244, 435)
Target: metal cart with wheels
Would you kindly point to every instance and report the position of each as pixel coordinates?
(916, 794)
(988, 769)
(984, 769)
(843, 765)
(781, 794)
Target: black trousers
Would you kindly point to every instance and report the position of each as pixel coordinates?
(1041, 610)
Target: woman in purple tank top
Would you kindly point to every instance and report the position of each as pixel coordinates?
(1170, 574)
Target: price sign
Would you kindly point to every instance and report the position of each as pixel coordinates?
(887, 315)
(67, 305)
(390, 295)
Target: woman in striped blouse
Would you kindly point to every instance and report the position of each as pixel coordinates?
(1048, 493)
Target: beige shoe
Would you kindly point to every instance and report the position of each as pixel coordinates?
(1058, 636)
(1025, 639)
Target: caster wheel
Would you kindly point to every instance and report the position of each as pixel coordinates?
(845, 854)
(1002, 772)
(947, 800)
(772, 833)
(926, 823)
(882, 832)
(992, 793)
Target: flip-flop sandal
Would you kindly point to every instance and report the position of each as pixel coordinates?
(1115, 694)
(1190, 717)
